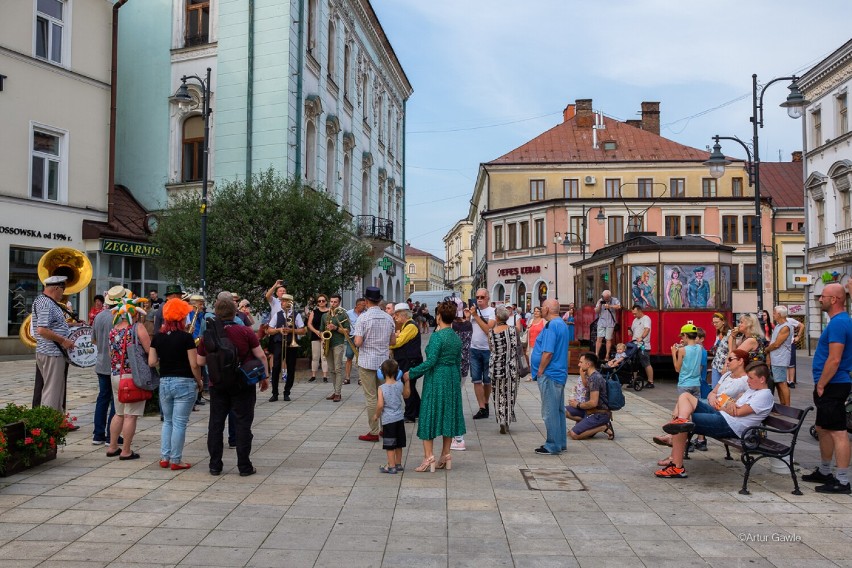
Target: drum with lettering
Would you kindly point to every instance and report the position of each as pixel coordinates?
(84, 353)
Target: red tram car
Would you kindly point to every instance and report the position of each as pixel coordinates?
(676, 280)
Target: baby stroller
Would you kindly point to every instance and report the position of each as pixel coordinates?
(628, 369)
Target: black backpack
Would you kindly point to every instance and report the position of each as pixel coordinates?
(223, 360)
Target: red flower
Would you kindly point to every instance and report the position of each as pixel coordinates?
(28, 441)
(74, 418)
(52, 441)
(36, 431)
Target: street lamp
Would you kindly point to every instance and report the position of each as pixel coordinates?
(795, 105)
(558, 239)
(185, 101)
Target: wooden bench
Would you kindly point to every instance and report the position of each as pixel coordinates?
(754, 445)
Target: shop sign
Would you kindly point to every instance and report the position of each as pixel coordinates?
(34, 233)
(796, 309)
(128, 248)
(520, 270)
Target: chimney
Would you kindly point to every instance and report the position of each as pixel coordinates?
(634, 123)
(569, 113)
(651, 117)
(585, 116)
(797, 156)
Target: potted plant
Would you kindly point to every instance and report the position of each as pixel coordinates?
(31, 436)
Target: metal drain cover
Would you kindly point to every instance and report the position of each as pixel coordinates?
(552, 479)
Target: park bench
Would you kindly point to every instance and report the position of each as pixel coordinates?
(755, 444)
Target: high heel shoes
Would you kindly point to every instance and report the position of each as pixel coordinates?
(428, 463)
(445, 463)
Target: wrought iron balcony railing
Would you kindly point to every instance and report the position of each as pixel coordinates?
(372, 227)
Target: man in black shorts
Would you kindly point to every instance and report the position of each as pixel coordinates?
(831, 368)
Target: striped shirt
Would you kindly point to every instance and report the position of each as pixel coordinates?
(47, 314)
(376, 327)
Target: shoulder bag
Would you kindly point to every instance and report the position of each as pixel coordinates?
(128, 392)
(522, 363)
(144, 376)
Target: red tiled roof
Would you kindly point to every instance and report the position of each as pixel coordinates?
(411, 251)
(567, 142)
(783, 182)
(129, 219)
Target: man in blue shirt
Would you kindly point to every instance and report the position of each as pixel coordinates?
(549, 364)
(831, 367)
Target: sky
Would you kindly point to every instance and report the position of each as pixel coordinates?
(490, 75)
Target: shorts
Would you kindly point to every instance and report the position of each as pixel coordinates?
(792, 364)
(694, 391)
(830, 407)
(393, 435)
(575, 412)
(779, 374)
(710, 422)
(590, 422)
(126, 408)
(349, 353)
(606, 332)
(479, 366)
(644, 358)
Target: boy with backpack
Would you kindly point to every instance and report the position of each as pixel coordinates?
(597, 416)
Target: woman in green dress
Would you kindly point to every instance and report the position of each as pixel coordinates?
(441, 400)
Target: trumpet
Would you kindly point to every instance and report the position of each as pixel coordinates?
(291, 323)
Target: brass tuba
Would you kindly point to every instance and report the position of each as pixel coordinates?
(60, 261)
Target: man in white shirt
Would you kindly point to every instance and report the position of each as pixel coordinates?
(273, 297)
(640, 331)
(606, 310)
(483, 321)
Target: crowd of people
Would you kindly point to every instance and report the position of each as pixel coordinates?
(495, 345)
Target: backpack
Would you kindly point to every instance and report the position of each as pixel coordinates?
(614, 395)
(223, 360)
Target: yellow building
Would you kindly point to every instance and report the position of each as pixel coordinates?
(458, 265)
(589, 180)
(424, 270)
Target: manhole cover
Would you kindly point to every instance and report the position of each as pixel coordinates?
(552, 479)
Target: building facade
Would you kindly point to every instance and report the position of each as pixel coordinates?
(587, 182)
(828, 177)
(54, 111)
(311, 88)
(458, 263)
(425, 272)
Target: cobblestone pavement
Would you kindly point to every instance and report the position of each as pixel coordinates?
(319, 500)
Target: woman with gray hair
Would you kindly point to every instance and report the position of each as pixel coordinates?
(503, 368)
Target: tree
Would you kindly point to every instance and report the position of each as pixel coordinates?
(259, 232)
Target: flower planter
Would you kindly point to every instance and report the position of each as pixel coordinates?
(17, 461)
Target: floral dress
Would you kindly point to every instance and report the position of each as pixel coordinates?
(503, 368)
(464, 329)
(119, 339)
(720, 353)
(441, 412)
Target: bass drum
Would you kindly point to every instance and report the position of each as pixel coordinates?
(84, 353)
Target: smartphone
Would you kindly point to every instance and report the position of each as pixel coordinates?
(471, 302)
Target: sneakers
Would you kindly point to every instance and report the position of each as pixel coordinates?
(649, 385)
(312, 379)
(678, 426)
(368, 438)
(483, 413)
(701, 445)
(672, 472)
(98, 442)
(458, 445)
(818, 477)
(834, 487)
(542, 451)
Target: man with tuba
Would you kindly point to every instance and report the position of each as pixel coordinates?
(50, 330)
(334, 322)
(288, 324)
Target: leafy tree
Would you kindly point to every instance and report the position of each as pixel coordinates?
(259, 232)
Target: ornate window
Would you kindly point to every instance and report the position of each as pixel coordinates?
(197, 28)
(332, 51)
(310, 152)
(193, 149)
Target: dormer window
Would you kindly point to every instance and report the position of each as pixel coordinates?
(610, 145)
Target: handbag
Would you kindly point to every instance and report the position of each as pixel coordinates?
(144, 376)
(523, 364)
(128, 392)
(252, 371)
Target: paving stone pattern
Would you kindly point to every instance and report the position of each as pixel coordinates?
(319, 499)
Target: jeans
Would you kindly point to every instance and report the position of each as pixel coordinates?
(177, 397)
(710, 422)
(717, 375)
(479, 366)
(241, 403)
(103, 405)
(553, 414)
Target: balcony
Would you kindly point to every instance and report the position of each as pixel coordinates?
(843, 244)
(375, 231)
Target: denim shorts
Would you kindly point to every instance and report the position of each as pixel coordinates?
(779, 374)
(710, 422)
(479, 366)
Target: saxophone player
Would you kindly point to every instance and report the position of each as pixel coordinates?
(336, 326)
(288, 324)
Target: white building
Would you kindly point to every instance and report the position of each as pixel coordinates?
(54, 132)
(828, 173)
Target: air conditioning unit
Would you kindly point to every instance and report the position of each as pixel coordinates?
(590, 180)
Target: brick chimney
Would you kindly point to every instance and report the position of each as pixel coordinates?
(585, 116)
(797, 156)
(635, 123)
(651, 117)
(569, 113)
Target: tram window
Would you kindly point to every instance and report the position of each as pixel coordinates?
(590, 289)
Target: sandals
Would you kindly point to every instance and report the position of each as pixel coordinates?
(663, 440)
(445, 463)
(399, 467)
(610, 431)
(428, 463)
(113, 454)
(132, 456)
(387, 469)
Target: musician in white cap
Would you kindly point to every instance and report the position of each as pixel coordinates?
(50, 330)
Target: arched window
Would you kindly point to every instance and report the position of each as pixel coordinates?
(312, 25)
(347, 175)
(365, 98)
(365, 193)
(193, 148)
(332, 51)
(347, 54)
(310, 152)
(412, 268)
(381, 197)
(330, 168)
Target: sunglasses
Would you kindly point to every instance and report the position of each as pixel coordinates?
(480, 297)
(320, 301)
(732, 358)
